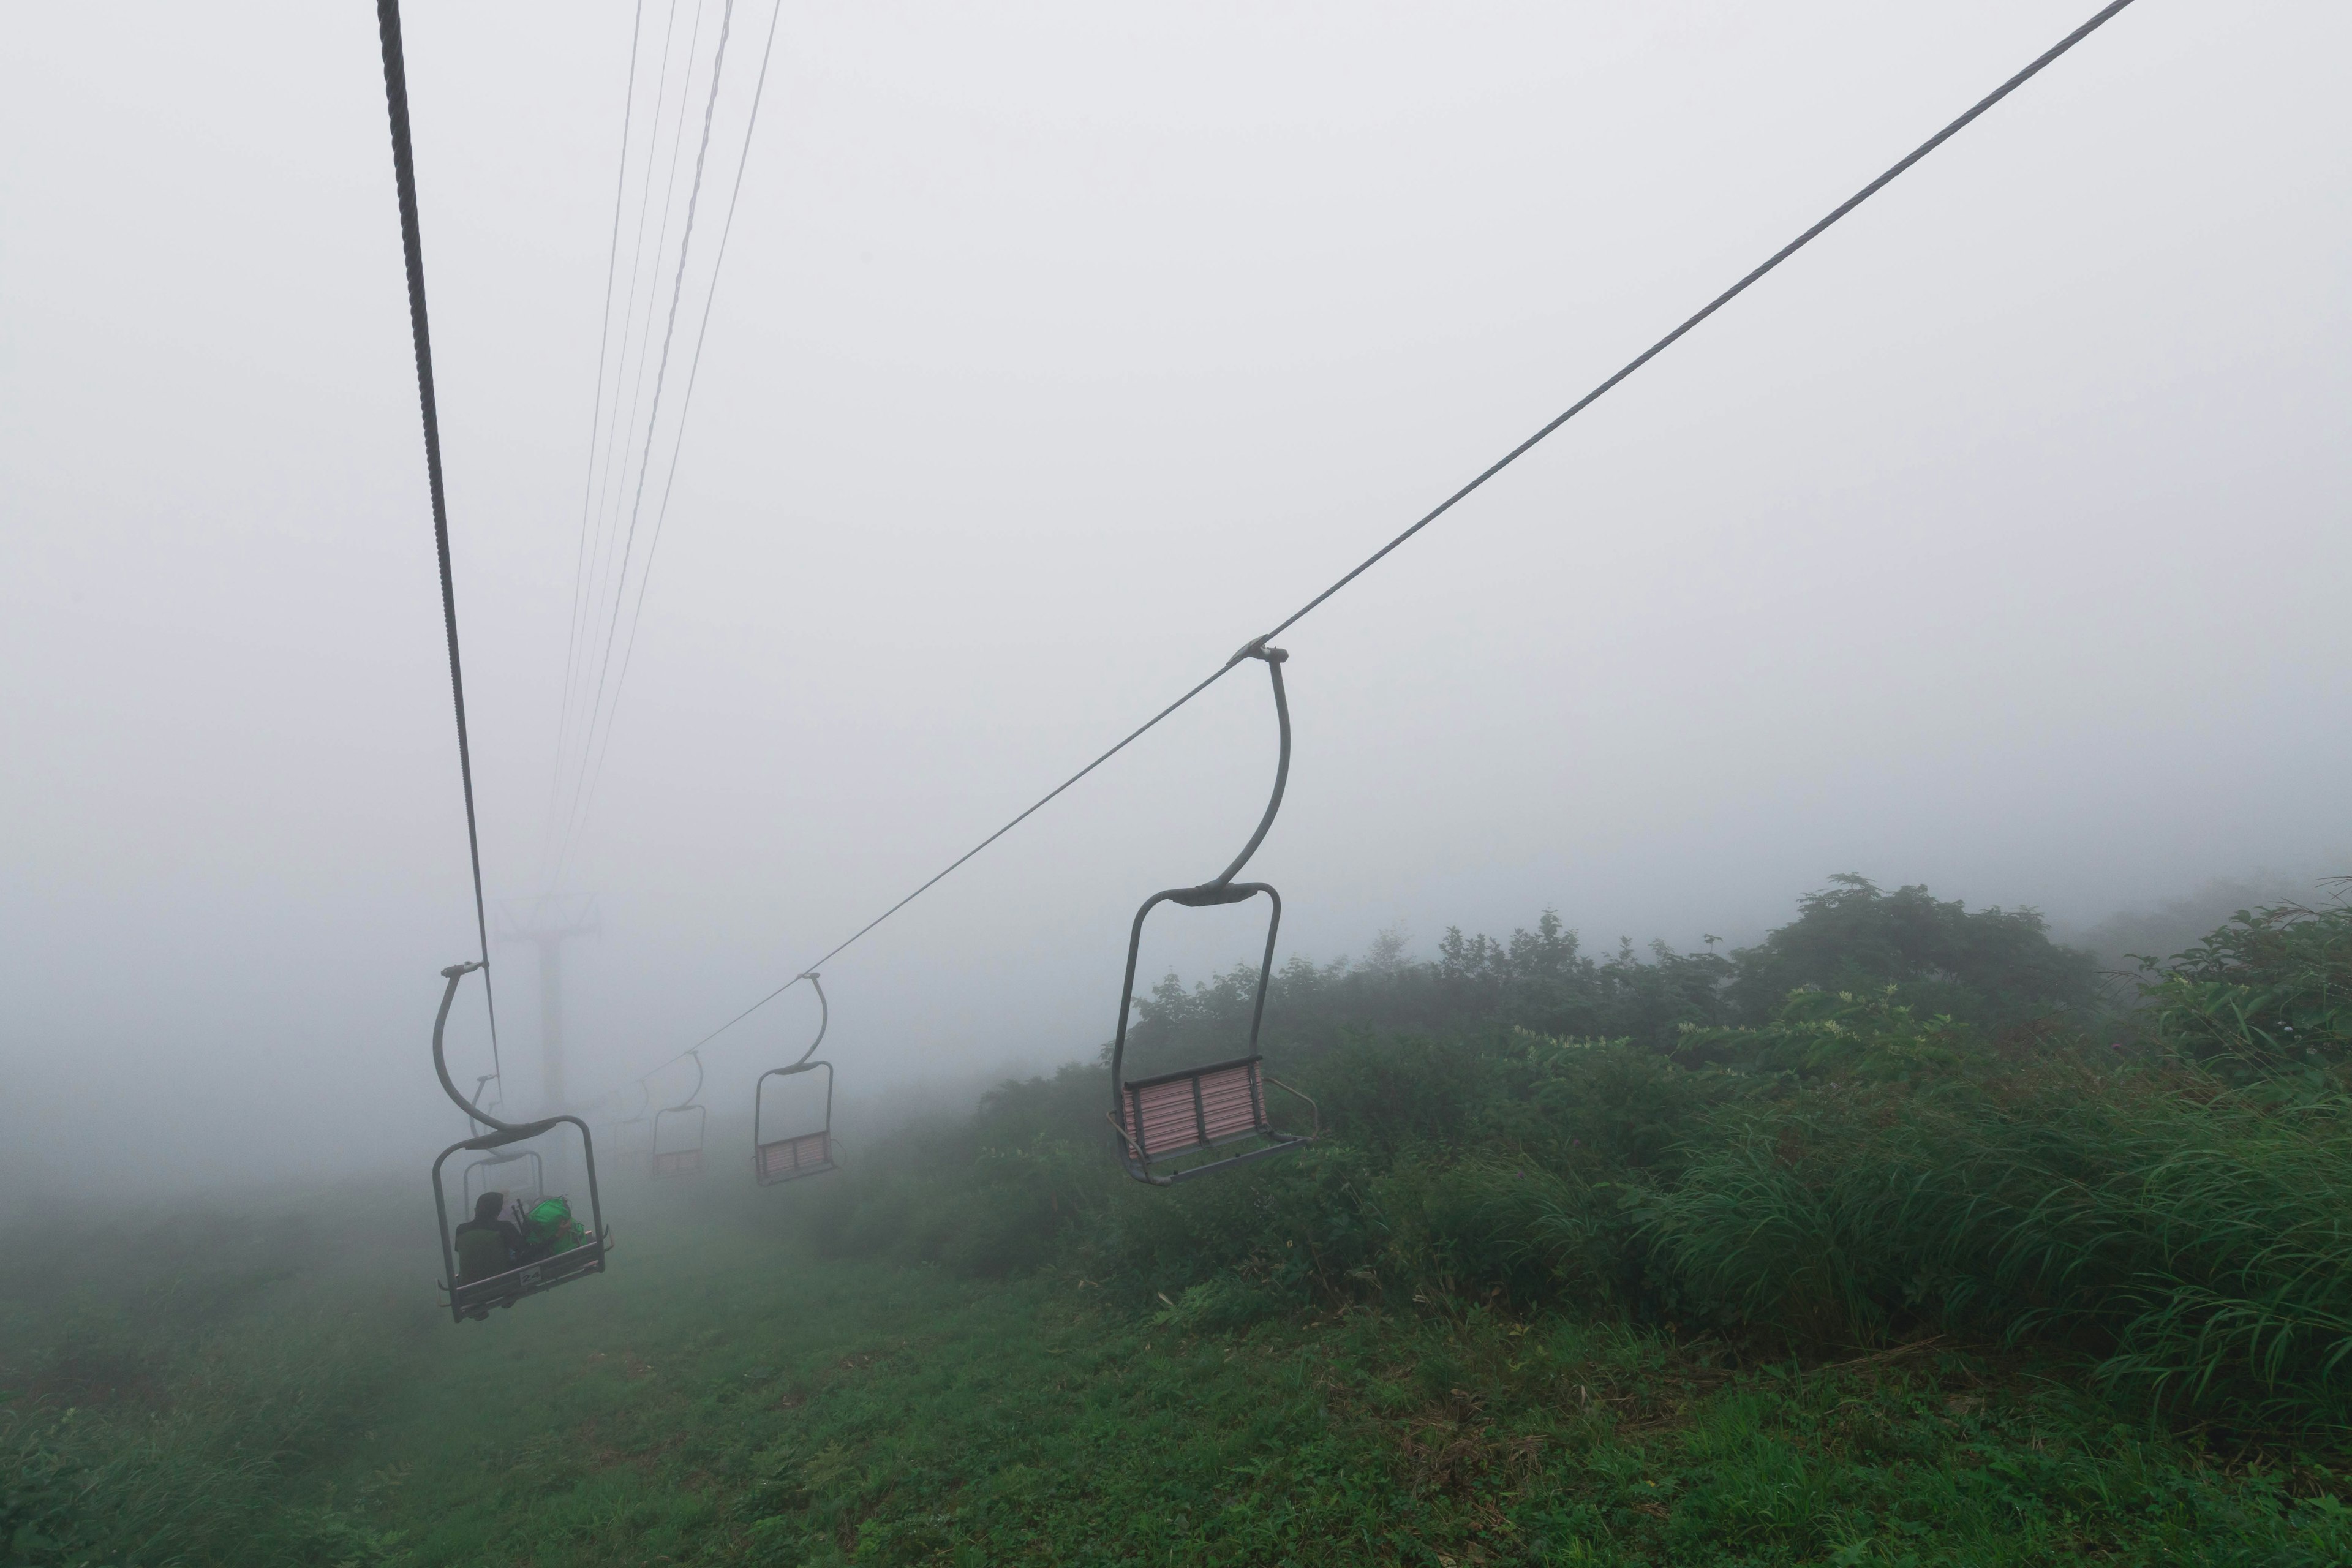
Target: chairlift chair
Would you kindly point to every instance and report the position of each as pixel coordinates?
(800, 1155)
(1166, 1123)
(483, 1176)
(686, 1161)
(474, 1298)
(633, 1134)
(524, 1185)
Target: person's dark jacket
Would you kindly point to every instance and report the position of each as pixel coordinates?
(485, 1247)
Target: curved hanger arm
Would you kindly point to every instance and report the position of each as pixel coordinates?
(452, 975)
(687, 1103)
(824, 1018)
(1274, 657)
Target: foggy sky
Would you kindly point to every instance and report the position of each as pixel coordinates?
(1996, 542)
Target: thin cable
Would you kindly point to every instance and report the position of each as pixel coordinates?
(1938, 140)
(652, 421)
(412, 243)
(685, 407)
(1133, 736)
(619, 435)
(595, 427)
(1717, 303)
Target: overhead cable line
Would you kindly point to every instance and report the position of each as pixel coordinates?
(686, 404)
(620, 434)
(2098, 20)
(636, 505)
(595, 427)
(412, 242)
(591, 765)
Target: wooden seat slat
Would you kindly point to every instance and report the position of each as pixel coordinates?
(792, 1156)
(1197, 1111)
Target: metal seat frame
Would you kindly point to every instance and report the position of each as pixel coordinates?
(682, 1162)
(769, 1167)
(474, 1298)
(1144, 1156)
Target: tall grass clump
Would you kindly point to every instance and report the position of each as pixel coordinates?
(160, 1411)
(2197, 1238)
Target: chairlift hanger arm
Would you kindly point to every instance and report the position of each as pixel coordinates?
(687, 1103)
(824, 1019)
(454, 974)
(1274, 658)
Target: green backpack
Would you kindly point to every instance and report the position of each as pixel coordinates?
(549, 1227)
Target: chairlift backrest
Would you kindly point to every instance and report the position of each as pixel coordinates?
(1193, 1111)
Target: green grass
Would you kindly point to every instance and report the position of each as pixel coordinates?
(725, 1397)
(1852, 1283)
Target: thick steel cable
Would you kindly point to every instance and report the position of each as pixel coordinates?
(2097, 21)
(595, 428)
(685, 409)
(412, 242)
(653, 422)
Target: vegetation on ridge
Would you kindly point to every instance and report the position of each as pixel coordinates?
(1890, 1240)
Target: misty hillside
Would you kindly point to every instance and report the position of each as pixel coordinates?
(2022, 1278)
(1220, 785)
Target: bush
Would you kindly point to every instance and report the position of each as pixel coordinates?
(2267, 997)
(1853, 1167)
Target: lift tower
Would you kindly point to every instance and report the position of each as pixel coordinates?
(552, 922)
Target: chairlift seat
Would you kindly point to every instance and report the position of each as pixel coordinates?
(474, 1298)
(786, 1159)
(1197, 1110)
(678, 1162)
(806, 1153)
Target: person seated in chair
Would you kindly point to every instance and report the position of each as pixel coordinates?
(485, 1243)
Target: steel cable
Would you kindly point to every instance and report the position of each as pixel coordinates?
(404, 170)
(2098, 20)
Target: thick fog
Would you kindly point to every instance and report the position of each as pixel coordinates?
(1997, 541)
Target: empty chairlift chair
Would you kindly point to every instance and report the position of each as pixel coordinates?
(803, 1153)
(1173, 1126)
(519, 1174)
(682, 1154)
(633, 1134)
(473, 1296)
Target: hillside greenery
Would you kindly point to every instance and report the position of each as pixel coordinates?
(1892, 1239)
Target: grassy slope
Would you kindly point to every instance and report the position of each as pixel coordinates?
(716, 1400)
(717, 1404)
